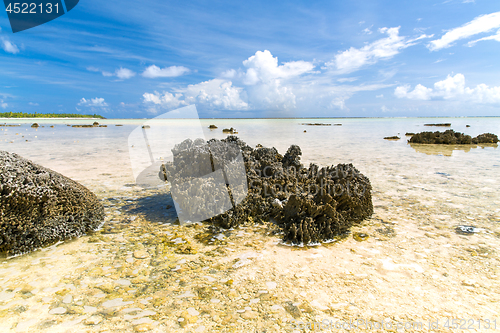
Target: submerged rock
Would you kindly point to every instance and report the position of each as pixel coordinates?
(450, 137)
(310, 205)
(229, 130)
(439, 125)
(39, 206)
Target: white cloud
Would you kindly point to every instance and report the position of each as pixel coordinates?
(121, 73)
(172, 71)
(124, 73)
(347, 79)
(480, 24)
(3, 105)
(452, 88)
(33, 104)
(385, 48)
(264, 84)
(492, 37)
(263, 67)
(93, 102)
(8, 46)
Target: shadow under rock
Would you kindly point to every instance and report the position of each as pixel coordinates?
(158, 207)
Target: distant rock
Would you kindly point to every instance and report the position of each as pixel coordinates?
(83, 126)
(439, 125)
(146, 126)
(319, 124)
(467, 125)
(409, 134)
(212, 127)
(392, 138)
(35, 125)
(229, 130)
(39, 207)
(95, 124)
(450, 137)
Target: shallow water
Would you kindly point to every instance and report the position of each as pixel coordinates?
(421, 194)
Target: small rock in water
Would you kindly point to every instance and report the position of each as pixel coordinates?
(292, 310)
(141, 254)
(359, 236)
(93, 320)
(59, 310)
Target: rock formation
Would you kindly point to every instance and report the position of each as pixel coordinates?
(39, 206)
(310, 205)
(450, 137)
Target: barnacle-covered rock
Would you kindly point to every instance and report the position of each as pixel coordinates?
(450, 137)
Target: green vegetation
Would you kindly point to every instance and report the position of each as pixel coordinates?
(47, 115)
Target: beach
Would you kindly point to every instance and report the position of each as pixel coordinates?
(409, 264)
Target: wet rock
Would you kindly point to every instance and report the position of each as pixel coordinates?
(359, 236)
(93, 320)
(229, 130)
(392, 138)
(310, 205)
(439, 125)
(39, 207)
(293, 310)
(450, 137)
(83, 126)
(35, 125)
(409, 134)
(95, 124)
(212, 127)
(141, 254)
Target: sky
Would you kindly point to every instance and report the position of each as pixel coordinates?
(253, 59)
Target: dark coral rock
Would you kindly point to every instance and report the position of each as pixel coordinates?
(310, 205)
(39, 206)
(212, 127)
(35, 125)
(392, 138)
(229, 130)
(450, 137)
(409, 134)
(485, 138)
(439, 125)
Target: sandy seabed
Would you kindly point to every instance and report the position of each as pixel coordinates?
(406, 267)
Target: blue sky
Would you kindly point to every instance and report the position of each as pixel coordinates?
(258, 59)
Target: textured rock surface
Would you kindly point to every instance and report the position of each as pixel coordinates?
(309, 204)
(39, 206)
(450, 137)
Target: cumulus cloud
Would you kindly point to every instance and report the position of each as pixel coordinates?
(452, 88)
(154, 71)
(93, 102)
(8, 46)
(382, 49)
(481, 24)
(264, 84)
(214, 94)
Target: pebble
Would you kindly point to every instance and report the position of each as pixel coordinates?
(249, 315)
(141, 254)
(59, 310)
(93, 320)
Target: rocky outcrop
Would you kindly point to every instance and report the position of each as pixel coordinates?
(212, 127)
(310, 204)
(230, 130)
(392, 138)
(439, 125)
(450, 137)
(39, 206)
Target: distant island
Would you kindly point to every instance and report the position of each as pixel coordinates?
(47, 115)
